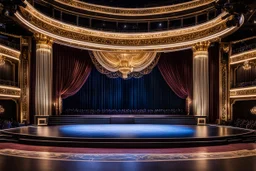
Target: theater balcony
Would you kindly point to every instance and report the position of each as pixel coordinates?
(9, 65)
(96, 27)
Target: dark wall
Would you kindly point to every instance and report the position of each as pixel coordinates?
(241, 109)
(7, 71)
(245, 75)
(148, 92)
(214, 83)
(10, 109)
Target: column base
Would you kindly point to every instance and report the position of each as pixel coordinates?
(41, 120)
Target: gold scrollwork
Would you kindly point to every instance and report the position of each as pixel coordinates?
(241, 57)
(135, 11)
(9, 92)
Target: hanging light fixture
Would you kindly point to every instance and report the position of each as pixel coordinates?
(2, 60)
(246, 65)
(1, 109)
(253, 110)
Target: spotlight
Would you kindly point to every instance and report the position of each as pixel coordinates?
(160, 25)
(125, 26)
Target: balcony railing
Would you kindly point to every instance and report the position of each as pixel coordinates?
(244, 45)
(123, 25)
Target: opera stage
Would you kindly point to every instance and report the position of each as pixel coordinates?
(128, 135)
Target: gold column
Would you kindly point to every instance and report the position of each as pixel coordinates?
(200, 79)
(43, 89)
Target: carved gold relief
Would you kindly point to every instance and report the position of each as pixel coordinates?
(10, 53)
(242, 57)
(114, 71)
(243, 92)
(7, 91)
(43, 39)
(125, 63)
(100, 40)
(135, 11)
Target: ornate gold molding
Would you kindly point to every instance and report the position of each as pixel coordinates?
(9, 53)
(243, 92)
(43, 39)
(201, 46)
(8, 91)
(242, 57)
(25, 78)
(99, 40)
(135, 11)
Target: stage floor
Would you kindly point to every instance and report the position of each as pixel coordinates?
(128, 131)
(127, 135)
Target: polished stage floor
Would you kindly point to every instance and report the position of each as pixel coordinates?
(129, 131)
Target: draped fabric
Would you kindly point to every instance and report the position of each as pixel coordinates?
(72, 68)
(176, 69)
(148, 92)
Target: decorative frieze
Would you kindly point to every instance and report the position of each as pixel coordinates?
(243, 92)
(8, 91)
(242, 57)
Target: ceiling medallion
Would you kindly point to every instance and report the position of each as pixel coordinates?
(246, 65)
(2, 60)
(124, 62)
(253, 110)
(1, 109)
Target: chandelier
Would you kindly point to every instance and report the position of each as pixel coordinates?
(1, 109)
(246, 65)
(124, 63)
(2, 60)
(253, 110)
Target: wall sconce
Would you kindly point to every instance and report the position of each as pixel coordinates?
(246, 65)
(1, 109)
(2, 60)
(253, 110)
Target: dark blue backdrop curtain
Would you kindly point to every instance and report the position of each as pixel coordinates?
(101, 92)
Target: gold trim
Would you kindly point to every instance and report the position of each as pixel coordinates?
(135, 11)
(99, 40)
(7, 91)
(128, 18)
(242, 57)
(243, 92)
(9, 52)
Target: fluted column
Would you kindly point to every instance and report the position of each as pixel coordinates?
(200, 79)
(43, 89)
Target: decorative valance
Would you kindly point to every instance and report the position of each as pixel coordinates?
(125, 65)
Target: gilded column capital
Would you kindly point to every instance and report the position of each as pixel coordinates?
(43, 39)
(201, 46)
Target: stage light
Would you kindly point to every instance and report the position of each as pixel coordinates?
(125, 26)
(160, 25)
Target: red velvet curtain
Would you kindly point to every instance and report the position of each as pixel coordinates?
(176, 69)
(71, 69)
